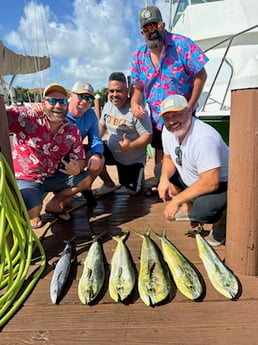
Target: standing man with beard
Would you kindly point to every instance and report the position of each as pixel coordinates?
(166, 64)
(194, 168)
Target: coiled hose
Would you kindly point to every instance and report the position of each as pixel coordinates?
(17, 244)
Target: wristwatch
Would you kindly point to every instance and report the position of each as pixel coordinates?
(99, 154)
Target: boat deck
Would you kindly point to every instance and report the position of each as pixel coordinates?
(214, 320)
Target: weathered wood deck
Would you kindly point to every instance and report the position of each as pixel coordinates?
(215, 320)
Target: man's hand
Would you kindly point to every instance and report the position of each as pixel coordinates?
(70, 168)
(37, 107)
(95, 162)
(124, 144)
(137, 110)
(163, 189)
(171, 209)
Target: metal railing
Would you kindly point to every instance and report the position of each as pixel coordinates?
(224, 60)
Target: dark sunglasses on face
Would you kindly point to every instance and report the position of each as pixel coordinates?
(53, 101)
(87, 98)
(178, 153)
(151, 26)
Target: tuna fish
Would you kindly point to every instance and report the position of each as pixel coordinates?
(154, 282)
(184, 274)
(93, 275)
(222, 279)
(61, 272)
(122, 273)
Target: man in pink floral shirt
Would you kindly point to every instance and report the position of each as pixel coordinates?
(48, 155)
(166, 64)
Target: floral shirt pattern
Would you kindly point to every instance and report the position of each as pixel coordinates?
(36, 152)
(181, 60)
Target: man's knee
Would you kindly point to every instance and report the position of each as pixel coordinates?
(205, 210)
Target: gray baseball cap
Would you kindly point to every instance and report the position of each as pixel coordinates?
(81, 87)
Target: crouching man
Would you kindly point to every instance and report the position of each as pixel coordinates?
(194, 169)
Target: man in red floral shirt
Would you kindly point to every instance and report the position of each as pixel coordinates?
(48, 155)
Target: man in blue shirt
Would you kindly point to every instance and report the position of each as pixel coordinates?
(84, 117)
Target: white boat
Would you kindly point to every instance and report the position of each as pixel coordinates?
(227, 30)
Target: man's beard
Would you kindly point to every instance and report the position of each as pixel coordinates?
(155, 43)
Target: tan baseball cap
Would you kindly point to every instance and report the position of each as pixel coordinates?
(173, 103)
(55, 87)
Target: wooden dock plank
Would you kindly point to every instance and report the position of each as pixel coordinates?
(214, 321)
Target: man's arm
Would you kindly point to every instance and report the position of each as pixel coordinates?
(208, 183)
(136, 100)
(139, 143)
(94, 137)
(199, 82)
(102, 129)
(167, 171)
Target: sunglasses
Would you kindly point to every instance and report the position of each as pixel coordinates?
(53, 101)
(151, 26)
(178, 153)
(87, 98)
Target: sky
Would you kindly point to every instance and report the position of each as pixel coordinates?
(86, 40)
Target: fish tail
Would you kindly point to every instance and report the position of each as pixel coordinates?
(121, 238)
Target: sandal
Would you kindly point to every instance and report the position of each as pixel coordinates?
(63, 215)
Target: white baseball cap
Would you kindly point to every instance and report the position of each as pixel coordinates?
(173, 103)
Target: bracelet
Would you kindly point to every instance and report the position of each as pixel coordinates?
(1, 90)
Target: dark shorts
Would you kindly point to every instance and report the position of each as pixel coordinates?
(33, 192)
(130, 176)
(156, 139)
(207, 208)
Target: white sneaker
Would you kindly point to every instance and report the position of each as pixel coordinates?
(103, 190)
(183, 217)
(212, 241)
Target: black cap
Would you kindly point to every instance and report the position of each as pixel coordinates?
(150, 14)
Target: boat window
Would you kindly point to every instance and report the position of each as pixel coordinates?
(182, 4)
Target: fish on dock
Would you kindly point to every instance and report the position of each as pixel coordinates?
(61, 272)
(184, 274)
(122, 274)
(220, 276)
(93, 275)
(154, 283)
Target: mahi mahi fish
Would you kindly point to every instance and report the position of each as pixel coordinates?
(93, 275)
(61, 272)
(122, 273)
(222, 279)
(183, 273)
(154, 283)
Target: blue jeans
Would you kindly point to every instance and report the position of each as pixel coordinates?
(33, 192)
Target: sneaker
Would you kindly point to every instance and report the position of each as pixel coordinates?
(212, 241)
(183, 217)
(103, 190)
(91, 201)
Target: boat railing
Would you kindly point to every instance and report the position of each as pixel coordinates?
(224, 60)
